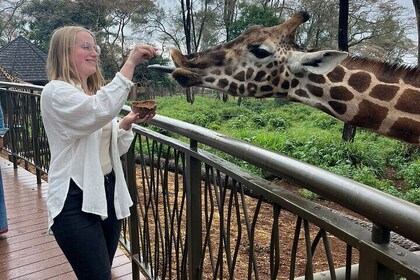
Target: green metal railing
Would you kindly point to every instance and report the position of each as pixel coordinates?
(198, 216)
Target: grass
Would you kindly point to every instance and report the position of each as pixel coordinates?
(309, 135)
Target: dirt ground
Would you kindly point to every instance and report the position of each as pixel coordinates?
(263, 238)
(263, 229)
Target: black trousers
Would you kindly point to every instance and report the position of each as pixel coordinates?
(88, 242)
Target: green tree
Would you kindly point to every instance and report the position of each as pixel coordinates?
(44, 16)
(253, 14)
(109, 20)
(154, 78)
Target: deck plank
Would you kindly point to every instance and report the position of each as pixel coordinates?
(27, 251)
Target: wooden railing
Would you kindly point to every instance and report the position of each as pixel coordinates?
(199, 216)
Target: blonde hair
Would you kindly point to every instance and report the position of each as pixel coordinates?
(59, 64)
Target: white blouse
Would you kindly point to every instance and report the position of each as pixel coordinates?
(104, 151)
(73, 123)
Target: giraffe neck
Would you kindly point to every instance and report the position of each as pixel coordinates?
(10, 77)
(377, 96)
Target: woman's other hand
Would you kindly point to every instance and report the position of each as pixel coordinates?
(137, 56)
(131, 118)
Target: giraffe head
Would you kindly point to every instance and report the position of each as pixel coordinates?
(261, 62)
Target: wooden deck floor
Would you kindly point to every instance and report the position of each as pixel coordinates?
(27, 251)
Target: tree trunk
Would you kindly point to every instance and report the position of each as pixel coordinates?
(416, 4)
(349, 131)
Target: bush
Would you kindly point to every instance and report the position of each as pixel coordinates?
(259, 121)
(278, 123)
(413, 196)
(411, 174)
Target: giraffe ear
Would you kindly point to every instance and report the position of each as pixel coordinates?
(320, 62)
(177, 57)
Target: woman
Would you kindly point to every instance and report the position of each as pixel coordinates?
(87, 196)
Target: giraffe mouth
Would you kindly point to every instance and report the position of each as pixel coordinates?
(185, 77)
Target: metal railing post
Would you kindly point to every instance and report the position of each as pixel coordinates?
(382, 235)
(35, 138)
(133, 219)
(370, 268)
(194, 219)
(12, 130)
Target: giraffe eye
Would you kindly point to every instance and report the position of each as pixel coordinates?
(260, 53)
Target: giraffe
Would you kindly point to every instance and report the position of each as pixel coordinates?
(10, 77)
(266, 62)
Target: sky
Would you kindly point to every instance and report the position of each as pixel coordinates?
(406, 3)
(410, 9)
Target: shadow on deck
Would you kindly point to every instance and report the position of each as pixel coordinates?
(26, 250)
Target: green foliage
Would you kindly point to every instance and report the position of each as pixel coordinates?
(278, 123)
(306, 134)
(47, 15)
(154, 78)
(413, 195)
(308, 194)
(253, 14)
(411, 174)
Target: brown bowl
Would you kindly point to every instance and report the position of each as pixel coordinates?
(144, 108)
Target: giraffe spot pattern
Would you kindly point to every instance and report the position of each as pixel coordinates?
(323, 108)
(216, 57)
(370, 115)
(337, 75)
(302, 93)
(406, 129)
(315, 90)
(223, 83)
(242, 89)
(210, 80)
(341, 93)
(318, 79)
(276, 81)
(409, 102)
(252, 89)
(275, 73)
(295, 83)
(233, 87)
(266, 88)
(249, 73)
(260, 75)
(240, 76)
(384, 92)
(229, 71)
(285, 85)
(338, 107)
(299, 75)
(281, 68)
(280, 94)
(360, 81)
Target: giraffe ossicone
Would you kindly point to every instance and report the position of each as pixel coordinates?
(267, 62)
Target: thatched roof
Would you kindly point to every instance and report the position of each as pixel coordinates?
(23, 60)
